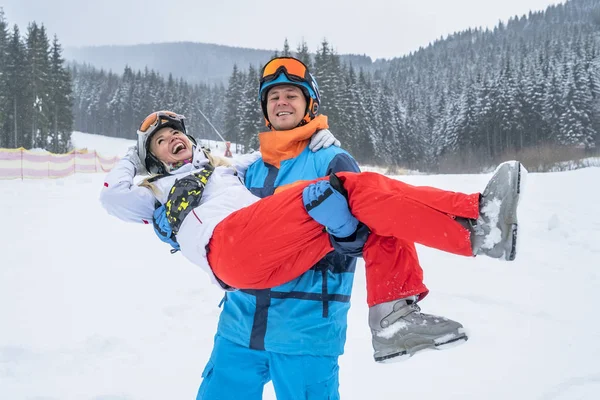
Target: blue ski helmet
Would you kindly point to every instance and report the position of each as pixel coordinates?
(289, 71)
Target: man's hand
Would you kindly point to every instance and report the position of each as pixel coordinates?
(329, 207)
(322, 140)
(163, 229)
(133, 157)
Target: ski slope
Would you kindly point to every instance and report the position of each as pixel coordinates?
(92, 308)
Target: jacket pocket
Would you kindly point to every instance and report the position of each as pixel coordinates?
(206, 376)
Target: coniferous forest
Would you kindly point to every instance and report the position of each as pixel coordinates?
(526, 88)
(35, 90)
(114, 105)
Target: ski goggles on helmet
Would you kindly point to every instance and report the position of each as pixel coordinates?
(158, 119)
(293, 68)
(287, 69)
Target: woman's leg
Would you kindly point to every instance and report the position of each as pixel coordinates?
(268, 243)
(418, 214)
(275, 240)
(392, 270)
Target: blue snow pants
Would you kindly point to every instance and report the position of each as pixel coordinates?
(236, 372)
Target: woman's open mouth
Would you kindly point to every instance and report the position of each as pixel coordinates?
(178, 148)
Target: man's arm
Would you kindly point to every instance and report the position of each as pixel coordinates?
(352, 245)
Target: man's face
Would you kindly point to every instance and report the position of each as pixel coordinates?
(286, 106)
(170, 146)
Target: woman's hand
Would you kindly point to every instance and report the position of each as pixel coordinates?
(133, 157)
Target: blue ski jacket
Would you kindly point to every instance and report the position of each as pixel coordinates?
(306, 316)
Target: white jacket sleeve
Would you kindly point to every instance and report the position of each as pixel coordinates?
(124, 199)
(242, 162)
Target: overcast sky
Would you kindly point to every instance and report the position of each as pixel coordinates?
(378, 28)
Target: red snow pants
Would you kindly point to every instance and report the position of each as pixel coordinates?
(275, 240)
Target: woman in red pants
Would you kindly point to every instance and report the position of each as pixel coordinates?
(251, 243)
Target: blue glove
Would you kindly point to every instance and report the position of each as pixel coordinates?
(162, 228)
(329, 207)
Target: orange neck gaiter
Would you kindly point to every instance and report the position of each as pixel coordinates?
(276, 146)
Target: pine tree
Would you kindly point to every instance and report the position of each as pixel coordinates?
(351, 109)
(183, 102)
(440, 127)
(592, 63)
(4, 96)
(575, 122)
(386, 143)
(60, 102)
(252, 119)
(328, 73)
(128, 83)
(553, 106)
(37, 74)
(446, 134)
(16, 90)
(467, 123)
(366, 121)
(233, 99)
(286, 49)
(303, 55)
(169, 96)
(532, 106)
(402, 151)
(120, 105)
(508, 112)
(415, 127)
(149, 79)
(138, 102)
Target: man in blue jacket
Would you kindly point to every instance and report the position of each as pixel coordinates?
(293, 334)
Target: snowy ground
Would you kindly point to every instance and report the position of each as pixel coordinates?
(92, 308)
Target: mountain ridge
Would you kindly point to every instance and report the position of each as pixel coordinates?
(195, 62)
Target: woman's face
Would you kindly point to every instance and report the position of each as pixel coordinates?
(286, 106)
(170, 146)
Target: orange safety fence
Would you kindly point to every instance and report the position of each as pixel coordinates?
(25, 164)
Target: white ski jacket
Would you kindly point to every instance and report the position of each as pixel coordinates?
(224, 193)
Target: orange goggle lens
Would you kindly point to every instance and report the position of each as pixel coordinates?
(152, 119)
(291, 65)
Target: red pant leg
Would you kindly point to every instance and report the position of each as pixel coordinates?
(274, 240)
(393, 270)
(416, 214)
(268, 243)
